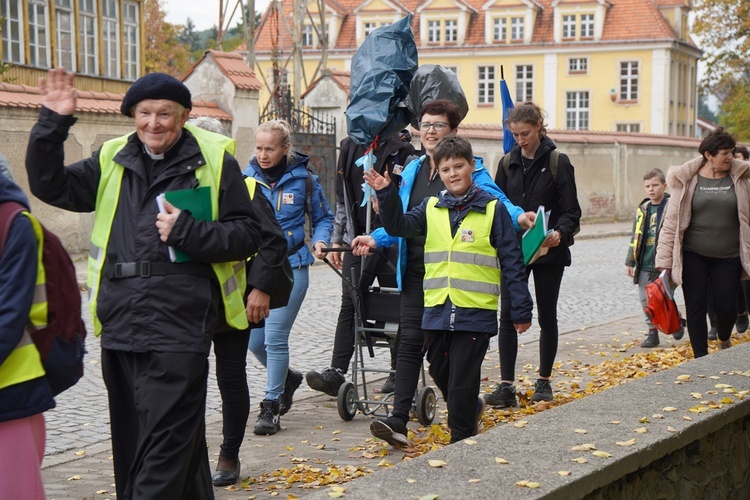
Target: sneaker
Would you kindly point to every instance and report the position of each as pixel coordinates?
(392, 430)
(389, 385)
(712, 333)
(652, 339)
(481, 405)
(293, 381)
(504, 396)
(742, 323)
(725, 344)
(268, 422)
(328, 381)
(542, 391)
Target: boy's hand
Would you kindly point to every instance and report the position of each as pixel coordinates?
(375, 180)
(630, 271)
(553, 239)
(522, 327)
(362, 244)
(527, 220)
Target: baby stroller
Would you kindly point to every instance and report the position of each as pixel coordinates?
(376, 324)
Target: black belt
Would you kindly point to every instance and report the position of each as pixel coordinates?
(144, 269)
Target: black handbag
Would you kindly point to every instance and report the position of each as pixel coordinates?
(283, 279)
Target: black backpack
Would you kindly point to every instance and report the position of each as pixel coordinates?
(61, 341)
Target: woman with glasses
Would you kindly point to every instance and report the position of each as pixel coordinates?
(419, 180)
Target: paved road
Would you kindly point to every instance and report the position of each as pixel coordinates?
(594, 290)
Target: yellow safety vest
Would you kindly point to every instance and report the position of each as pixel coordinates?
(231, 275)
(24, 363)
(463, 267)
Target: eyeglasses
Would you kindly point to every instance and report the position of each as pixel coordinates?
(438, 126)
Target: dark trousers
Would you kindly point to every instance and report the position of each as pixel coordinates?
(743, 298)
(343, 342)
(547, 281)
(157, 408)
(456, 367)
(723, 276)
(231, 377)
(411, 339)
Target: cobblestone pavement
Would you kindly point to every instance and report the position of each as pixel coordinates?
(595, 292)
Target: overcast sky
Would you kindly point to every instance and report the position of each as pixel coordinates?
(203, 13)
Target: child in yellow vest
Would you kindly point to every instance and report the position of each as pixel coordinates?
(469, 240)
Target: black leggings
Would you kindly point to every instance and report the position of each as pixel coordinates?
(723, 275)
(231, 376)
(410, 344)
(547, 281)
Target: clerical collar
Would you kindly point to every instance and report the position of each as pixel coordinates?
(160, 156)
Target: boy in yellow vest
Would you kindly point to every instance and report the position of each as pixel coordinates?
(469, 240)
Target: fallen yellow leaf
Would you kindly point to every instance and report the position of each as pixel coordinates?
(657, 416)
(564, 472)
(436, 463)
(102, 492)
(669, 408)
(601, 454)
(615, 422)
(74, 478)
(474, 481)
(580, 460)
(581, 431)
(332, 494)
(683, 378)
(630, 442)
(470, 442)
(689, 419)
(641, 430)
(337, 431)
(584, 447)
(338, 489)
(722, 386)
(384, 463)
(521, 424)
(431, 496)
(290, 448)
(671, 429)
(501, 460)
(643, 420)
(411, 481)
(80, 453)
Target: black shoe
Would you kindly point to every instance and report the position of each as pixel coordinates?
(742, 323)
(328, 381)
(293, 381)
(481, 405)
(392, 430)
(227, 472)
(390, 384)
(680, 333)
(504, 396)
(712, 333)
(542, 391)
(268, 422)
(652, 339)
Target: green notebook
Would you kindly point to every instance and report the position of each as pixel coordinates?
(197, 201)
(531, 242)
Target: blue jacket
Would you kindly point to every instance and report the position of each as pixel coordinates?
(288, 197)
(17, 284)
(480, 176)
(449, 317)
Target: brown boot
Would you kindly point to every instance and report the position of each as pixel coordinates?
(227, 471)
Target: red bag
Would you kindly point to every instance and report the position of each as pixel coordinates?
(661, 307)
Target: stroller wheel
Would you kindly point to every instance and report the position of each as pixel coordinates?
(426, 406)
(347, 401)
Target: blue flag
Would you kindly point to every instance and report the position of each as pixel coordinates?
(507, 102)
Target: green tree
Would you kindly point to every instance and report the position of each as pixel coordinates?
(189, 37)
(704, 111)
(163, 50)
(724, 29)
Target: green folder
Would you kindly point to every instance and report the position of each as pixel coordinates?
(531, 242)
(198, 202)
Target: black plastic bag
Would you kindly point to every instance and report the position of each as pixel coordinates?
(430, 83)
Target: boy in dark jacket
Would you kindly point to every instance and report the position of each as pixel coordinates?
(642, 250)
(469, 240)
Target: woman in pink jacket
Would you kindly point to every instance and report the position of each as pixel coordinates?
(705, 239)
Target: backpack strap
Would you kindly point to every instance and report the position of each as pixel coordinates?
(554, 158)
(8, 212)
(309, 188)
(506, 164)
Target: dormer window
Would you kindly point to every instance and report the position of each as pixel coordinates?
(307, 35)
(500, 29)
(433, 31)
(568, 26)
(576, 22)
(516, 29)
(451, 30)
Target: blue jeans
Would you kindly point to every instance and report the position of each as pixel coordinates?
(270, 344)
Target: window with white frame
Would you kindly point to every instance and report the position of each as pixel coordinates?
(433, 31)
(87, 36)
(587, 25)
(12, 12)
(111, 38)
(578, 65)
(500, 29)
(629, 81)
(131, 34)
(307, 35)
(524, 82)
(66, 40)
(628, 127)
(569, 26)
(577, 110)
(486, 85)
(39, 50)
(516, 28)
(451, 30)
(369, 28)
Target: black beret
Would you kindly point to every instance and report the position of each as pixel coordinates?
(156, 86)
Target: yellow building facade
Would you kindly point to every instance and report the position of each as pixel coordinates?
(616, 65)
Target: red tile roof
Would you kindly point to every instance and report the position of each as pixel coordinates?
(23, 96)
(634, 21)
(234, 67)
(341, 78)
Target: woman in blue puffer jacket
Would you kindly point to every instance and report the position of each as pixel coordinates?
(283, 176)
